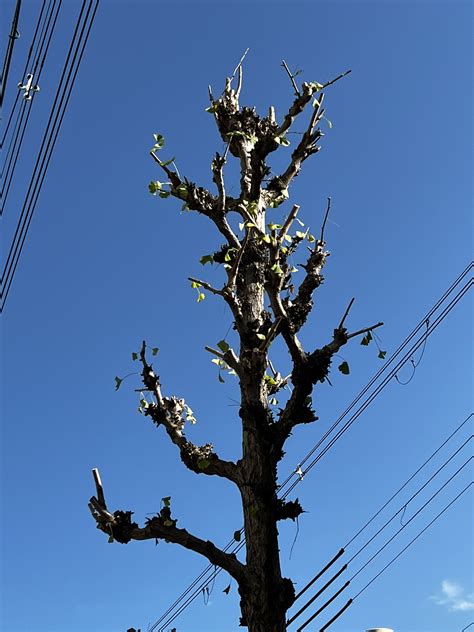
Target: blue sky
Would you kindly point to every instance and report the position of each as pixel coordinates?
(105, 265)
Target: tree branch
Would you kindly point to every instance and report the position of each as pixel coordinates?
(306, 147)
(292, 78)
(314, 368)
(172, 413)
(119, 527)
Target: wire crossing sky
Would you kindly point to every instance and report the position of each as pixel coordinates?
(105, 265)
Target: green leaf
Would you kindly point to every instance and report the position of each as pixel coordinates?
(382, 355)
(276, 269)
(300, 235)
(118, 381)
(366, 339)
(165, 163)
(159, 141)
(216, 361)
(273, 401)
(316, 86)
(272, 226)
(206, 259)
(185, 207)
(154, 351)
(212, 109)
(344, 368)
(311, 238)
(223, 346)
(293, 269)
(166, 501)
(228, 252)
(134, 356)
(201, 297)
(269, 380)
(195, 284)
(155, 187)
(164, 194)
(237, 536)
(203, 464)
(261, 336)
(288, 238)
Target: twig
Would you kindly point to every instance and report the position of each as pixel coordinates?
(271, 334)
(292, 78)
(329, 83)
(206, 286)
(235, 268)
(363, 331)
(288, 222)
(239, 65)
(215, 352)
(229, 357)
(346, 313)
(175, 179)
(321, 239)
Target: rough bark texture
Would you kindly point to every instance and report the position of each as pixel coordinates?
(257, 268)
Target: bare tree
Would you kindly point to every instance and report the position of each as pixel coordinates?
(257, 267)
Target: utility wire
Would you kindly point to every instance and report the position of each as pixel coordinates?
(414, 539)
(24, 73)
(461, 425)
(191, 598)
(15, 253)
(350, 601)
(343, 549)
(8, 56)
(36, 76)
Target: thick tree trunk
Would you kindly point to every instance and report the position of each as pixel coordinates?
(266, 596)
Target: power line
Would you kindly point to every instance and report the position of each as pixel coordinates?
(369, 541)
(8, 56)
(38, 22)
(414, 539)
(29, 206)
(350, 601)
(433, 454)
(209, 568)
(36, 75)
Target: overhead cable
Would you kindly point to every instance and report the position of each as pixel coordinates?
(49, 140)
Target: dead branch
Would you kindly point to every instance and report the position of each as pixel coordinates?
(292, 78)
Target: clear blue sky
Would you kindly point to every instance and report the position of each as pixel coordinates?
(105, 265)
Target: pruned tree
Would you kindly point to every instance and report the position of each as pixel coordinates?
(256, 263)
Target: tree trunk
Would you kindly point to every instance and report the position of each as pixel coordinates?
(266, 596)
